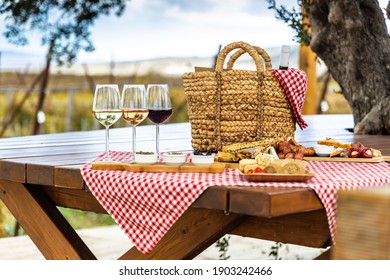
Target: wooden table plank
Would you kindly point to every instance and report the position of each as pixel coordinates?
(328, 121)
(178, 145)
(176, 131)
(272, 202)
(74, 198)
(40, 169)
(13, 171)
(216, 197)
(68, 176)
(59, 150)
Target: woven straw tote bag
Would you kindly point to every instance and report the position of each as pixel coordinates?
(228, 106)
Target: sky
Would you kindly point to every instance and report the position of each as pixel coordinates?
(152, 28)
(178, 28)
(171, 28)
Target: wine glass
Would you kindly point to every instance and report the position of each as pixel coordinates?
(160, 108)
(134, 108)
(106, 109)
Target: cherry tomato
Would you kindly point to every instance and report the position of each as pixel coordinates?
(259, 170)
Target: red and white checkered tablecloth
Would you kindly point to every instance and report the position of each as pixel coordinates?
(294, 83)
(145, 205)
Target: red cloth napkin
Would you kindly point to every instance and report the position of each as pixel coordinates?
(145, 205)
(294, 83)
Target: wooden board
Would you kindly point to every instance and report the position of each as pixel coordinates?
(342, 159)
(216, 167)
(233, 165)
(272, 177)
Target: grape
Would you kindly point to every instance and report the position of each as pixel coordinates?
(298, 155)
(289, 155)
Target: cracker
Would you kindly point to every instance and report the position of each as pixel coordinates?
(240, 146)
(330, 142)
(336, 153)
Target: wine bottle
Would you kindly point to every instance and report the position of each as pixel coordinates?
(284, 57)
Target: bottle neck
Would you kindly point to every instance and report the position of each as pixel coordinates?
(284, 58)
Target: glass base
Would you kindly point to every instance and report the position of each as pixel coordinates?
(129, 160)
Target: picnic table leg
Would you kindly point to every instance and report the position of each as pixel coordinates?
(43, 222)
(194, 232)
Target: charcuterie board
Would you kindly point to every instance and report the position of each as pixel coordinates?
(215, 167)
(345, 159)
(333, 159)
(233, 165)
(272, 177)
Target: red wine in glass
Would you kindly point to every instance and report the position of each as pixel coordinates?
(160, 108)
(159, 116)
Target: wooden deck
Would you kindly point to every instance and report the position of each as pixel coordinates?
(22, 248)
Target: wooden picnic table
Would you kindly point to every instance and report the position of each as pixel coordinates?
(39, 173)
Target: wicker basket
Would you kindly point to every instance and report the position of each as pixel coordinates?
(228, 106)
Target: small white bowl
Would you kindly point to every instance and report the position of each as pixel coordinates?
(142, 157)
(174, 158)
(323, 150)
(202, 159)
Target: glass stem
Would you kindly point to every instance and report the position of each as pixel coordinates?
(157, 141)
(134, 137)
(107, 143)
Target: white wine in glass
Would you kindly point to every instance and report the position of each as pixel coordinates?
(160, 108)
(134, 109)
(106, 109)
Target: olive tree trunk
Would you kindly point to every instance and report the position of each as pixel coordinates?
(351, 37)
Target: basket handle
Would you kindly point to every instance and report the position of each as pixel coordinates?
(245, 48)
(264, 55)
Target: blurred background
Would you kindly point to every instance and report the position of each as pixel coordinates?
(153, 41)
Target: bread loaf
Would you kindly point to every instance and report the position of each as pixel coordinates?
(242, 163)
(275, 167)
(294, 166)
(286, 166)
